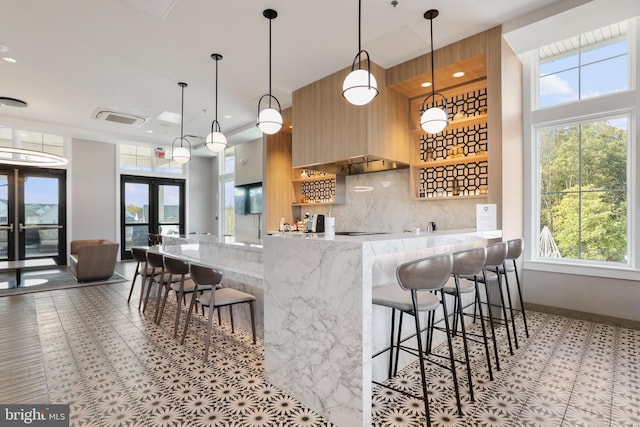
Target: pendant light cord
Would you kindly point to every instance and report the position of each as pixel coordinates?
(359, 25)
(182, 117)
(270, 62)
(216, 89)
(433, 77)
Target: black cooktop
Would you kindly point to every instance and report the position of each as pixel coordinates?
(358, 233)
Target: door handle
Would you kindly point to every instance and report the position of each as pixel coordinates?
(7, 227)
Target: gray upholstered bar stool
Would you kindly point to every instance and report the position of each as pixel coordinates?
(468, 263)
(215, 298)
(422, 279)
(496, 254)
(510, 265)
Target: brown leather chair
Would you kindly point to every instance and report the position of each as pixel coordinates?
(93, 259)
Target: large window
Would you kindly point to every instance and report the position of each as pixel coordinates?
(583, 164)
(583, 190)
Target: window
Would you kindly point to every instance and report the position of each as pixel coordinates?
(227, 186)
(583, 190)
(573, 69)
(146, 159)
(583, 164)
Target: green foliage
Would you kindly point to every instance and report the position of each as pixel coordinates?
(583, 190)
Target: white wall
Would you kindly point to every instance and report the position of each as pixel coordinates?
(93, 203)
(249, 168)
(202, 189)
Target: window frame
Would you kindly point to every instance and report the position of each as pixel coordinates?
(576, 112)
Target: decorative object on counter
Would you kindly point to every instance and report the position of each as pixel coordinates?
(329, 227)
(456, 188)
(429, 154)
(459, 115)
(456, 151)
(431, 226)
(181, 154)
(216, 141)
(482, 110)
(269, 119)
(433, 119)
(422, 193)
(360, 86)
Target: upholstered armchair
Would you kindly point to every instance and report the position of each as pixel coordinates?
(93, 259)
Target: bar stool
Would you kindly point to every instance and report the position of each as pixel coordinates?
(423, 278)
(467, 263)
(496, 255)
(155, 261)
(215, 298)
(142, 270)
(155, 239)
(178, 282)
(514, 251)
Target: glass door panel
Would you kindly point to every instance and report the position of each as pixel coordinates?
(6, 214)
(136, 214)
(42, 215)
(169, 209)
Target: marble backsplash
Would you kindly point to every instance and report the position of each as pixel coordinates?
(381, 201)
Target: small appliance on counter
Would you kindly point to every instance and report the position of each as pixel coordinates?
(317, 223)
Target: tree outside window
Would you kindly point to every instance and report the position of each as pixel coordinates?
(583, 188)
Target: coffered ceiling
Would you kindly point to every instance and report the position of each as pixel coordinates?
(76, 58)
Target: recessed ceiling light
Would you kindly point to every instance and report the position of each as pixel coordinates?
(228, 116)
(149, 131)
(426, 84)
(9, 59)
(458, 74)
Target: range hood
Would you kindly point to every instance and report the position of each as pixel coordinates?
(359, 165)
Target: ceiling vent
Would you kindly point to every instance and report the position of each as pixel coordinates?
(125, 119)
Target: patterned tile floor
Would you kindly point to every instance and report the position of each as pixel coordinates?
(117, 368)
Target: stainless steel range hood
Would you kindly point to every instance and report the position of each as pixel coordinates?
(359, 165)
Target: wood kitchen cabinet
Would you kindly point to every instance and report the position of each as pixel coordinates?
(327, 128)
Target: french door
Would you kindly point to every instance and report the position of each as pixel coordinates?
(149, 205)
(33, 214)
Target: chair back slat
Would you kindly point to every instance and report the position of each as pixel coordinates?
(469, 262)
(175, 266)
(205, 275)
(514, 248)
(425, 274)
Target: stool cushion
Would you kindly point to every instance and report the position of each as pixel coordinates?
(225, 296)
(466, 286)
(395, 297)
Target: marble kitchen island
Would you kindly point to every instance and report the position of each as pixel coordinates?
(320, 326)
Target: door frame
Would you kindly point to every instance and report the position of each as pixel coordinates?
(16, 213)
(153, 222)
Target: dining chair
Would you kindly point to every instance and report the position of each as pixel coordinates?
(214, 299)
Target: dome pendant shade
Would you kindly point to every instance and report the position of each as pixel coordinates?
(360, 87)
(269, 121)
(181, 154)
(216, 142)
(433, 120)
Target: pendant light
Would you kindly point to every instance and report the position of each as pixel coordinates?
(216, 141)
(181, 154)
(433, 119)
(360, 86)
(269, 119)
